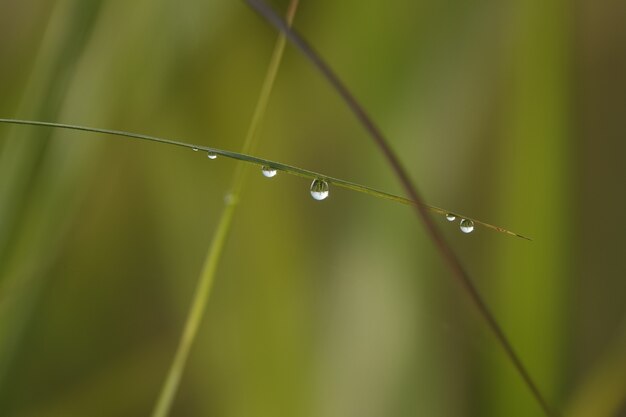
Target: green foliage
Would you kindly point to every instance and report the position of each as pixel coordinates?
(506, 110)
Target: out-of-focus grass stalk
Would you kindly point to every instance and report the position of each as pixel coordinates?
(37, 196)
(534, 297)
(601, 392)
(421, 210)
(203, 290)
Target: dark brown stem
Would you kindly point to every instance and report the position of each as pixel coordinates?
(421, 209)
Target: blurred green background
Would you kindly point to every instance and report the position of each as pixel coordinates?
(511, 112)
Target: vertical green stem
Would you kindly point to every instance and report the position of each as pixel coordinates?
(205, 283)
(534, 297)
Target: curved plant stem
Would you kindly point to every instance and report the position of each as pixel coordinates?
(289, 169)
(422, 210)
(205, 283)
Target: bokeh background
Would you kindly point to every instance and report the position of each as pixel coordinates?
(511, 112)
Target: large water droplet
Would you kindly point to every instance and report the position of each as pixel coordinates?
(467, 226)
(450, 217)
(319, 189)
(211, 155)
(269, 172)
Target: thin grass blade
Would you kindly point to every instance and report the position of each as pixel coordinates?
(289, 169)
(213, 256)
(422, 210)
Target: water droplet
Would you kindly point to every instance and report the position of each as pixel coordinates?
(269, 172)
(450, 217)
(195, 149)
(212, 155)
(230, 199)
(467, 226)
(319, 189)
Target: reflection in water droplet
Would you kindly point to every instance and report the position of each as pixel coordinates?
(467, 226)
(269, 172)
(450, 217)
(212, 155)
(195, 149)
(319, 189)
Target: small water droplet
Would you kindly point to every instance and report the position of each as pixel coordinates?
(212, 155)
(269, 172)
(467, 226)
(230, 199)
(195, 149)
(450, 217)
(319, 189)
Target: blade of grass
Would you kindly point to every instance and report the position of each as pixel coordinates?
(422, 210)
(602, 393)
(289, 169)
(38, 192)
(538, 63)
(207, 276)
